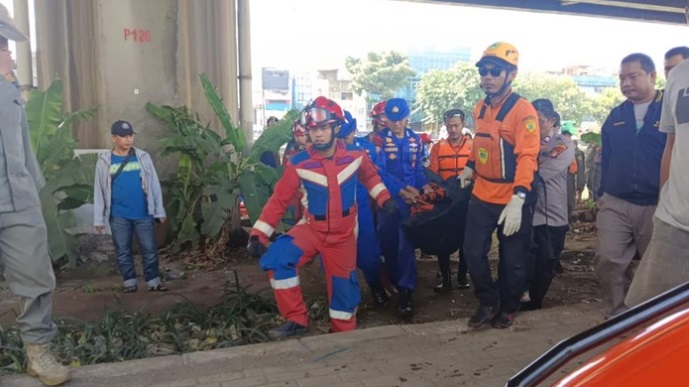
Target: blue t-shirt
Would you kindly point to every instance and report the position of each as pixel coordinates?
(128, 197)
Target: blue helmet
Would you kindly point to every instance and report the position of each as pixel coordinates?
(396, 109)
(348, 125)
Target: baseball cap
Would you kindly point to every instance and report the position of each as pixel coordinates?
(122, 129)
(8, 28)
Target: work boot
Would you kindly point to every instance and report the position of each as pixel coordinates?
(503, 320)
(445, 284)
(380, 296)
(289, 328)
(483, 315)
(463, 280)
(42, 363)
(405, 307)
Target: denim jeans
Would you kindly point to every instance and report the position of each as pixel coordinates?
(122, 231)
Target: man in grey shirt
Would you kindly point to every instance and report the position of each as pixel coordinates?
(550, 220)
(666, 262)
(23, 234)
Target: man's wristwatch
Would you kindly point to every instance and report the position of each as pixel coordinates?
(520, 192)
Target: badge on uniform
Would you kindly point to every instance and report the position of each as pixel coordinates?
(392, 156)
(557, 150)
(482, 155)
(388, 139)
(530, 123)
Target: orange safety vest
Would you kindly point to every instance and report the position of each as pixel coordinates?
(448, 160)
(505, 149)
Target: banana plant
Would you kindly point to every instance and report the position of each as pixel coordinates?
(69, 180)
(214, 170)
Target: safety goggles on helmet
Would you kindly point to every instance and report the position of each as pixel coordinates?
(453, 113)
(494, 71)
(317, 116)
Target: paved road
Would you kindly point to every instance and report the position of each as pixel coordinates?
(427, 355)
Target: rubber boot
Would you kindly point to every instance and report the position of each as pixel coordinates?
(462, 274)
(445, 284)
(380, 296)
(405, 305)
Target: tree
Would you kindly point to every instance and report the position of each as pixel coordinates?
(381, 74)
(602, 103)
(567, 97)
(441, 90)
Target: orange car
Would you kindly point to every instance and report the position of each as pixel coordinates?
(655, 354)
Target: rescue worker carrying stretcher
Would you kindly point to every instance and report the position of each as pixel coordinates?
(448, 159)
(400, 153)
(326, 173)
(503, 158)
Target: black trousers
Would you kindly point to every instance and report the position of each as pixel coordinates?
(482, 221)
(547, 244)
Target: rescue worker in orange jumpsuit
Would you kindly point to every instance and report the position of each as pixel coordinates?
(327, 172)
(448, 159)
(504, 161)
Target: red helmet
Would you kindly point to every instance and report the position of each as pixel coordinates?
(425, 138)
(298, 129)
(378, 114)
(321, 111)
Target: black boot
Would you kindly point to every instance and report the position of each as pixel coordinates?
(380, 296)
(445, 284)
(405, 306)
(290, 328)
(462, 272)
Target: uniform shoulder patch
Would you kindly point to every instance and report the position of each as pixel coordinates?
(530, 123)
(557, 150)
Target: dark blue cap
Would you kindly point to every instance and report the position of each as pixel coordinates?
(122, 129)
(396, 109)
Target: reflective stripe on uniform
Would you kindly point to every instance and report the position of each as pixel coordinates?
(264, 228)
(284, 283)
(339, 315)
(377, 189)
(351, 169)
(313, 177)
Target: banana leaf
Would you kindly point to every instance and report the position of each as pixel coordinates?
(274, 137)
(255, 194)
(233, 134)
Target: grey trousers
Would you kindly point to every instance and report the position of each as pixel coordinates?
(29, 272)
(624, 230)
(664, 266)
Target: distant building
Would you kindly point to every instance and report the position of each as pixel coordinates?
(591, 80)
(275, 93)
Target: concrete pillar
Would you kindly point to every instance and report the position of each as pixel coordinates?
(246, 105)
(23, 54)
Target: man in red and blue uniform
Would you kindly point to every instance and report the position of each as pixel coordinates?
(400, 153)
(327, 173)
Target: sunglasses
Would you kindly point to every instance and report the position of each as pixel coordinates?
(494, 72)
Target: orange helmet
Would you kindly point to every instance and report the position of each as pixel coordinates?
(500, 53)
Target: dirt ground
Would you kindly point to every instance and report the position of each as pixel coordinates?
(86, 292)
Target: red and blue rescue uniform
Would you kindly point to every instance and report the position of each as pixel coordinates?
(328, 228)
(401, 158)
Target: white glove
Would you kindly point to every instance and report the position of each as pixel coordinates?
(465, 177)
(512, 216)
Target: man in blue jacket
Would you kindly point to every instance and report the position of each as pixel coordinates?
(630, 182)
(400, 153)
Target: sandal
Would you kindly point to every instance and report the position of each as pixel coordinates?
(129, 289)
(158, 288)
